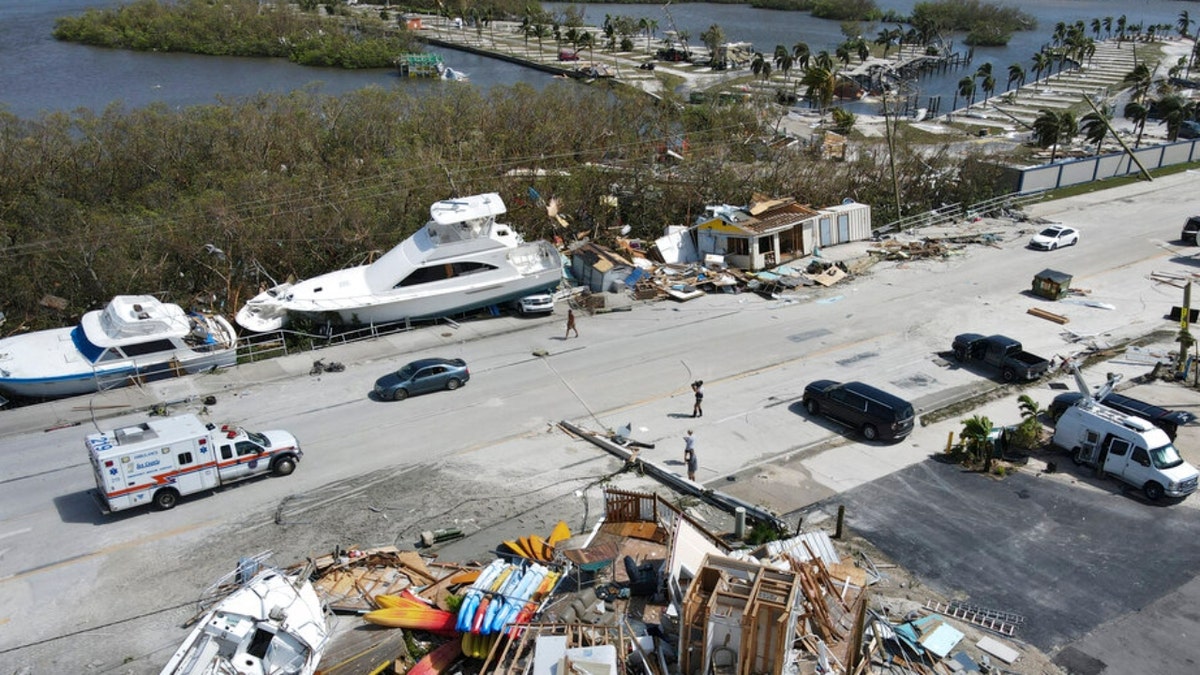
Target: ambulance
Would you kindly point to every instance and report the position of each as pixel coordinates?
(159, 461)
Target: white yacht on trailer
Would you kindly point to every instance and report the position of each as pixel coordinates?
(135, 338)
(462, 259)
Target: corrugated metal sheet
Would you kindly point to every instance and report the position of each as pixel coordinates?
(819, 542)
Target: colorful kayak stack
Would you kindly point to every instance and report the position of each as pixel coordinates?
(501, 598)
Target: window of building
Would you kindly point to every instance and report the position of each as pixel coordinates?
(737, 246)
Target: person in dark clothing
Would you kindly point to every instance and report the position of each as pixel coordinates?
(571, 324)
(698, 389)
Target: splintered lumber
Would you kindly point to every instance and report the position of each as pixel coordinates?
(1049, 316)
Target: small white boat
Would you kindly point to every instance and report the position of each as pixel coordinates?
(134, 338)
(272, 624)
(462, 259)
(453, 75)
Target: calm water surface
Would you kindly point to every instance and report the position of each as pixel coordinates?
(42, 74)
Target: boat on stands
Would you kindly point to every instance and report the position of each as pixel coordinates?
(462, 259)
(135, 338)
(273, 623)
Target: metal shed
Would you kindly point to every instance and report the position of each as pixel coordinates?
(848, 221)
(599, 268)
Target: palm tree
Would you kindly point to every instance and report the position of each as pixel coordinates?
(1016, 73)
(988, 85)
(1041, 62)
(1122, 24)
(588, 41)
(975, 439)
(1108, 21)
(1184, 24)
(1138, 114)
(1174, 109)
(801, 53)
(761, 66)
(843, 53)
(1060, 33)
(1095, 128)
(783, 60)
(884, 39)
(1051, 128)
(820, 83)
(823, 60)
(1096, 25)
(863, 50)
(966, 87)
(1139, 79)
(713, 38)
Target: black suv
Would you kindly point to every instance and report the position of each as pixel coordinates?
(875, 413)
(1167, 420)
(1190, 228)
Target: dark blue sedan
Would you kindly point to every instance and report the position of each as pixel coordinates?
(421, 376)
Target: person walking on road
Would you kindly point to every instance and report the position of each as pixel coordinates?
(571, 324)
(698, 388)
(689, 455)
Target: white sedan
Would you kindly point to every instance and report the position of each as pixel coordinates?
(1055, 236)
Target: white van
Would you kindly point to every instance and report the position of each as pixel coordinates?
(1127, 448)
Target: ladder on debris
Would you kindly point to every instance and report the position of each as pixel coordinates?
(1004, 623)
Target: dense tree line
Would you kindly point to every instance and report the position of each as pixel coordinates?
(202, 206)
(239, 28)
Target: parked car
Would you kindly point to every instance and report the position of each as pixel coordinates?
(422, 376)
(1167, 420)
(1190, 228)
(538, 303)
(873, 412)
(1189, 129)
(1055, 236)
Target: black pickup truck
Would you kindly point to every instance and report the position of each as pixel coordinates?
(1002, 353)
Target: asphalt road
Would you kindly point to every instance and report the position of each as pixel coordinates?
(81, 590)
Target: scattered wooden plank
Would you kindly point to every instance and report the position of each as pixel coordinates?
(1049, 316)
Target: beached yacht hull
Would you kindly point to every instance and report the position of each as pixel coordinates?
(460, 261)
(92, 356)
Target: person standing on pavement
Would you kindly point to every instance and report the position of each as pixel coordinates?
(698, 389)
(689, 455)
(571, 324)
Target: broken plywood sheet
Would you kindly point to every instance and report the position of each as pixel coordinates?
(350, 583)
(942, 639)
(829, 277)
(998, 649)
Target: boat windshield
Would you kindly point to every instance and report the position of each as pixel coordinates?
(90, 351)
(1166, 457)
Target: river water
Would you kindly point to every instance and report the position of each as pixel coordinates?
(42, 74)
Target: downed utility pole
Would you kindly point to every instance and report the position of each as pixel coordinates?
(1104, 119)
(725, 502)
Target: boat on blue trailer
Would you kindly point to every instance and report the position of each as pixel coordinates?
(461, 260)
(135, 338)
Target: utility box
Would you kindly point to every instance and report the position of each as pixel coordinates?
(1051, 284)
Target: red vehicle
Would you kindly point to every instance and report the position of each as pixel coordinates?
(567, 55)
